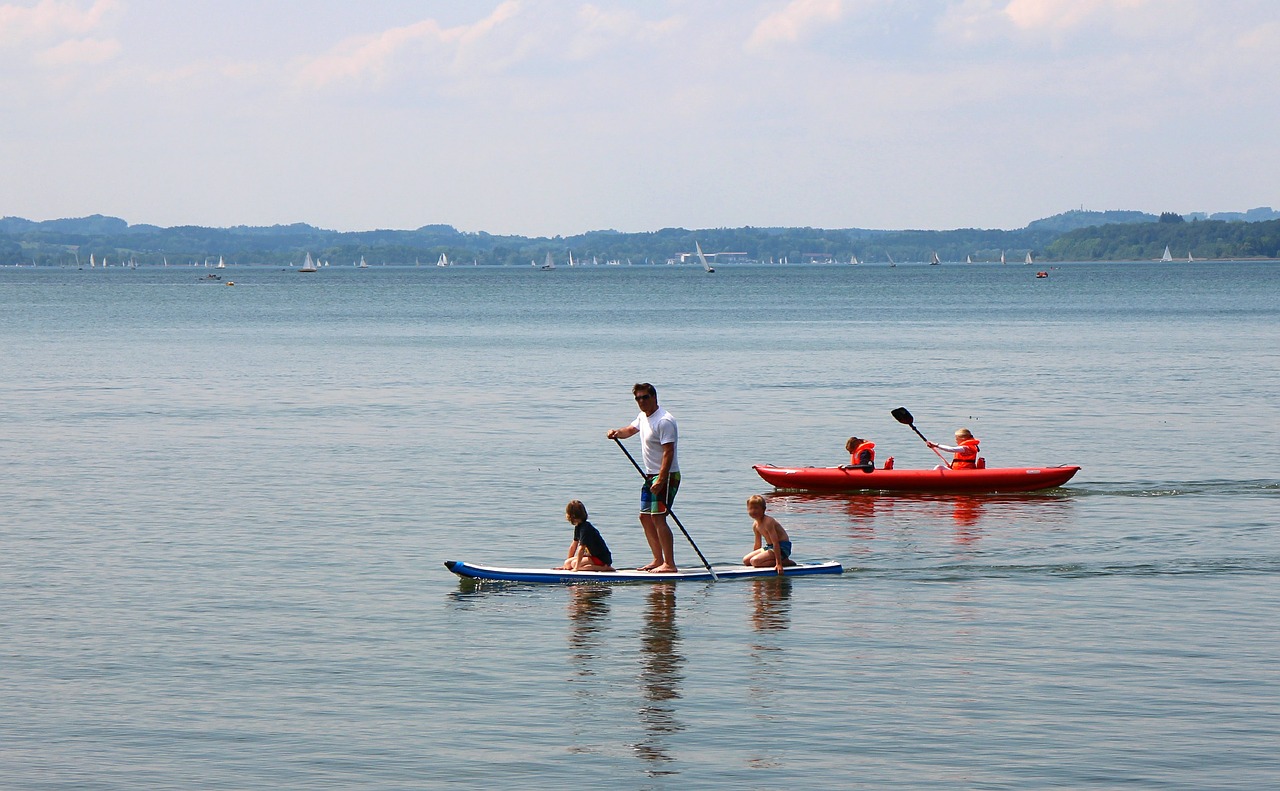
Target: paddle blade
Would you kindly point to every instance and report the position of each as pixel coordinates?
(903, 416)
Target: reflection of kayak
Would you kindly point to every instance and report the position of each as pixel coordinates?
(986, 479)
(556, 576)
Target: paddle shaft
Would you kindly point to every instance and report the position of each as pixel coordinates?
(903, 416)
(670, 513)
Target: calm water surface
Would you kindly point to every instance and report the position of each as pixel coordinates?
(226, 510)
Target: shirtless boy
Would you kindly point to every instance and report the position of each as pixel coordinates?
(772, 544)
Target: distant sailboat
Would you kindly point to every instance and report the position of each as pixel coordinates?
(444, 260)
(363, 264)
(1002, 256)
(1028, 261)
(571, 261)
(221, 264)
(891, 261)
(1167, 255)
(934, 260)
(968, 259)
(550, 263)
(853, 259)
(91, 263)
(308, 265)
(1189, 258)
(703, 258)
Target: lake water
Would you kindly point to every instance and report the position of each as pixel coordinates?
(226, 509)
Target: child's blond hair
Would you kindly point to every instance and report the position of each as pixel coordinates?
(757, 499)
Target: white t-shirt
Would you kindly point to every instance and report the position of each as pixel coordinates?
(656, 430)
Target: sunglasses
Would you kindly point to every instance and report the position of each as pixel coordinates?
(644, 397)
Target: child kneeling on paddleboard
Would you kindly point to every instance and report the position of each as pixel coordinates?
(772, 545)
(587, 552)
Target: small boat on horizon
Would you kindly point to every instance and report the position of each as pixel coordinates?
(703, 258)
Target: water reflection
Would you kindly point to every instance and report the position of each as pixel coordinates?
(771, 604)
(660, 678)
(588, 612)
(868, 514)
(770, 617)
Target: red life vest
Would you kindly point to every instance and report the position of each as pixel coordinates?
(870, 448)
(966, 459)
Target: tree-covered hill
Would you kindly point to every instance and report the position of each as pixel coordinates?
(1067, 236)
(1210, 239)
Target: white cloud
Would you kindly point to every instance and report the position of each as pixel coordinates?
(796, 20)
(50, 20)
(371, 58)
(599, 30)
(79, 52)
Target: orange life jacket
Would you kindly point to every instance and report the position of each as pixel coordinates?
(966, 459)
(870, 448)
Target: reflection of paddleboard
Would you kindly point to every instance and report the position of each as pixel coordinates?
(555, 576)
(985, 479)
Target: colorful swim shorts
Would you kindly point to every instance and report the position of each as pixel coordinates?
(652, 505)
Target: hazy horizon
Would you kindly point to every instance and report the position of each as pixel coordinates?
(538, 118)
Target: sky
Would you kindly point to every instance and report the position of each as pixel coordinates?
(556, 117)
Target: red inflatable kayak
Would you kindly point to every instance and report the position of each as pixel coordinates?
(986, 479)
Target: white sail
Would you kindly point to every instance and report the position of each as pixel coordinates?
(1189, 258)
(444, 260)
(309, 265)
(1167, 255)
(550, 263)
(702, 257)
(968, 259)
(221, 264)
(363, 264)
(934, 260)
(1029, 257)
(1002, 256)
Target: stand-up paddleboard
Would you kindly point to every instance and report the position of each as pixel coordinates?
(561, 577)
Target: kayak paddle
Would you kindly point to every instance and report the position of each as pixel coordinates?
(904, 417)
(670, 513)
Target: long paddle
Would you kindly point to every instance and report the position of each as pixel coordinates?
(904, 417)
(670, 513)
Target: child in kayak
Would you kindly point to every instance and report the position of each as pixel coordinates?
(587, 552)
(966, 450)
(772, 545)
(862, 454)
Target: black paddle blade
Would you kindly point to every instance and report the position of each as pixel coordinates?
(903, 416)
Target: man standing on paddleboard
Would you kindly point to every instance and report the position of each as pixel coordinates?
(657, 429)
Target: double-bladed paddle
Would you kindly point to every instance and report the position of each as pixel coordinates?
(904, 417)
(670, 513)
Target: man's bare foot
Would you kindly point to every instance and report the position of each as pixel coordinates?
(663, 569)
(649, 566)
